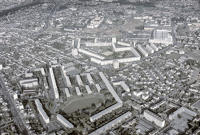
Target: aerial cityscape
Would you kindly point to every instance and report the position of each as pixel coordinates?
(99, 67)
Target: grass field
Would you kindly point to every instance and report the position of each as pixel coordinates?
(78, 103)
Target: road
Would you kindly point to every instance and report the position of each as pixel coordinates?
(16, 115)
(6, 124)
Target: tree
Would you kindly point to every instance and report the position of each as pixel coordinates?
(179, 116)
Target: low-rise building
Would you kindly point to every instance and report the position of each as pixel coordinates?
(53, 83)
(142, 51)
(89, 78)
(29, 83)
(150, 116)
(89, 91)
(113, 123)
(109, 87)
(64, 121)
(78, 92)
(79, 80)
(104, 112)
(67, 93)
(41, 111)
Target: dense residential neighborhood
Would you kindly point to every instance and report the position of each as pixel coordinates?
(100, 67)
